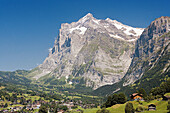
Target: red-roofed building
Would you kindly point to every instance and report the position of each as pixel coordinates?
(136, 96)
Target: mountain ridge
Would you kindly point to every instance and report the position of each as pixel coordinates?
(151, 61)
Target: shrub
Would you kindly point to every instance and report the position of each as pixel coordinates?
(43, 109)
(168, 106)
(140, 109)
(103, 110)
(74, 107)
(129, 108)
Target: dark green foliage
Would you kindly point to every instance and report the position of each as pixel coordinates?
(129, 108)
(16, 77)
(168, 106)
(115, 99)
(6, 105)
(53, 81)
(103, 110)
(64, 108)
(121, 98)
(140, 109)
(80, 88)
(43, 109)
(164, 88)
(149, 98)
(109, 102)
(22, 101)
(33, 93)
(156, 91)
(143, 92)
(74, 107)
(107, 89)
(56, 97)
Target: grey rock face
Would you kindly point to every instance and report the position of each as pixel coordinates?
(100, 51)
(149, 48)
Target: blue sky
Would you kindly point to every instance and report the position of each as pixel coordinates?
(28, 27)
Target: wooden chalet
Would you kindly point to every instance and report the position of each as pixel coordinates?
(151, 107)
(136, 96)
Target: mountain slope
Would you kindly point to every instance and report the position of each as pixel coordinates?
(150, 64)
(99, 51)
(150, 47)
(15, 78)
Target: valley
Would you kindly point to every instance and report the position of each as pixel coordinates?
(94, 66)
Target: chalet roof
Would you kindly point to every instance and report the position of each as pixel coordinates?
(151, 105)
(134, 94)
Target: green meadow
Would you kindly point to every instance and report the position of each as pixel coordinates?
(161, 107)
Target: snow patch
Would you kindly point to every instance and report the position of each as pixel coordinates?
(131, 40)
(116, 36)
(82, 29)
(96, 21)
(126, 29)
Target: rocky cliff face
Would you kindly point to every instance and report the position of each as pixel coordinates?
(99, 51)
(152, 45)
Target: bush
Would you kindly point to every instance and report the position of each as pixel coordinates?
(129, 108)
(6, 105)
(168, 106)
(74, 107)
(140, 109)
(43, 109)
(64, 108)
(115, 99)
(103, 110)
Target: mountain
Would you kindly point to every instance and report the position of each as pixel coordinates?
(151, 47)
(150, 65)
(97, 52)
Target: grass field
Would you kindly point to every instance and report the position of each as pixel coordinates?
(2, 87)
(161, 107)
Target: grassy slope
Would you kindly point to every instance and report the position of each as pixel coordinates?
(161, 107)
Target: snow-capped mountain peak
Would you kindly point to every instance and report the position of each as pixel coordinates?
(113, 28)
(125, 28)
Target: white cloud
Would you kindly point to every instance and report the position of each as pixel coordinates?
(50, 49)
